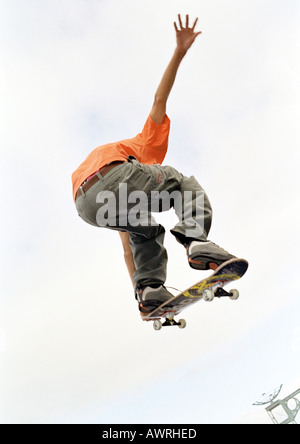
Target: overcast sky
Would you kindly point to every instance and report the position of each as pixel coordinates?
(75, 74)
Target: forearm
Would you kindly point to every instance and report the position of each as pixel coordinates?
(128, 256)
(168, 79)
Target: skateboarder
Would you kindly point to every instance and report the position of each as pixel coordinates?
(119, 185)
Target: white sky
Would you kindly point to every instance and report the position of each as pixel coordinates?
(75, 74)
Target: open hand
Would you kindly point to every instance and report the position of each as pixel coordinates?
(185, 36)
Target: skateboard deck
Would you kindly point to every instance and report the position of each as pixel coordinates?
(207, 289)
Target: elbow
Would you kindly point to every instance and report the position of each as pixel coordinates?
(158, 110)
(160, 100)
(127, 254)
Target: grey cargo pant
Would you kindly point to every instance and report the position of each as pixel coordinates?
(124, 200)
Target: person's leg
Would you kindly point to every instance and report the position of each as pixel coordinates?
(188, 199)
(119, 201)
(150, 257)
(194, 212)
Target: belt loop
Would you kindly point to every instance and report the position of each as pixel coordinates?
(132, 159)
(82, 192)
(99, 176)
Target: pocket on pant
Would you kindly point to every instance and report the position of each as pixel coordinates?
(155, 174)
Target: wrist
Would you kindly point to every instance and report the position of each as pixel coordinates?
(180, 52)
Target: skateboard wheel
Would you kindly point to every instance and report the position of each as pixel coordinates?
(157, 324)
(235, 295)
(208, 295)
(182, 323)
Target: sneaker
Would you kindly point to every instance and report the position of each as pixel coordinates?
(206, 255)
(149, 298)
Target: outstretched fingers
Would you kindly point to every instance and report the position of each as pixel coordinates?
(180, 22)
(187, 20)
(195, 23)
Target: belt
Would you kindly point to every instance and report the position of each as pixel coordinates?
(94, 179)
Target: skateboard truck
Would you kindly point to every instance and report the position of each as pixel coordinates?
(232, 294)
(157, 324)
(220, 293)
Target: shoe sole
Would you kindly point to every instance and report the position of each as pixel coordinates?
(150, 305)
(198, 263)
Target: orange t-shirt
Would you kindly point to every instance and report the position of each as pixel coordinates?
(149, 147)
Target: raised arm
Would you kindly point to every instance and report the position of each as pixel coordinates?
(185, 37)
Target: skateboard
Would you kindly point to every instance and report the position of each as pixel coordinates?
(207, 289)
